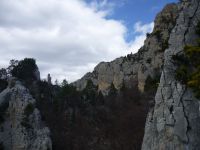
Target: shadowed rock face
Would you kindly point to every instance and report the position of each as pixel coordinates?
(22, 128)
(174, 122)
(135, 68)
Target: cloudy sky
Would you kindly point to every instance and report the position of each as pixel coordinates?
(69, 37)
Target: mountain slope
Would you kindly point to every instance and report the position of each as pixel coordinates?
(135, 68)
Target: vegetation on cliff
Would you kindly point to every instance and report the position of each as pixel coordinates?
(87, 119)
(188, 71)
(27, 112)
(24, 69)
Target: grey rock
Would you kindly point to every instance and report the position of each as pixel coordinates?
(174, 122)
(135, 68)
(14, 135)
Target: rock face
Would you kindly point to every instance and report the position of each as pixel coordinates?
(134, 69)
(174, 122)
(21, 128)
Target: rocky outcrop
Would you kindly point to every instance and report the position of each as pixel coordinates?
(21, 125)
(174, 122)
(135, 68)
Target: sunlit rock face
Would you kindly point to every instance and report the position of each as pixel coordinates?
(21, 128)
(135, 68)
(174, 122)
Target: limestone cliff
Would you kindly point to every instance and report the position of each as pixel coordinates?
(135, 68)
(21, 125)
(174, 122)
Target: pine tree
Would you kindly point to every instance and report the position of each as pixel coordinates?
(112, 91)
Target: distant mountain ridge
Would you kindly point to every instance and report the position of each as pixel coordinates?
(134, 69)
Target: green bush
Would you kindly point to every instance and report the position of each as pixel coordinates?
(29, 109)
(25, 123)
(148, 60)
(27, 112)
(165, 45)
(157, 34)
(193, 81)
(198, 28)
(3, 109)
(180, 59)
(148, 35)
(151, 83)
(182, 74)
(188, 71)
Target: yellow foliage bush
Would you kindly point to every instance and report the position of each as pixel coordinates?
(189, 73)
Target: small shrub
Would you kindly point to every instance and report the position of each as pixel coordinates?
(165, 20)
(180, 59)
(193, 54)
(194, 83)
(3, 109)
(157, 34)
(25, 123)
(182, 74)
(165, 45)
(188, 71)
(151, 83)
(198, 28)
(27, 111)
(129, 57)
(148, 35)
(148, 60)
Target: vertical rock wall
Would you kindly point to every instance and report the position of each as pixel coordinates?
(174, 122)
(22, 128)
(135, 68)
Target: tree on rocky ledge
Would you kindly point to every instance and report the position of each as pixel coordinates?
(25, 69)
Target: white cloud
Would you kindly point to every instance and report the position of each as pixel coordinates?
(102, 5)
(67, 38)
(140, 28)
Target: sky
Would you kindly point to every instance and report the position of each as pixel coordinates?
(68, 38)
